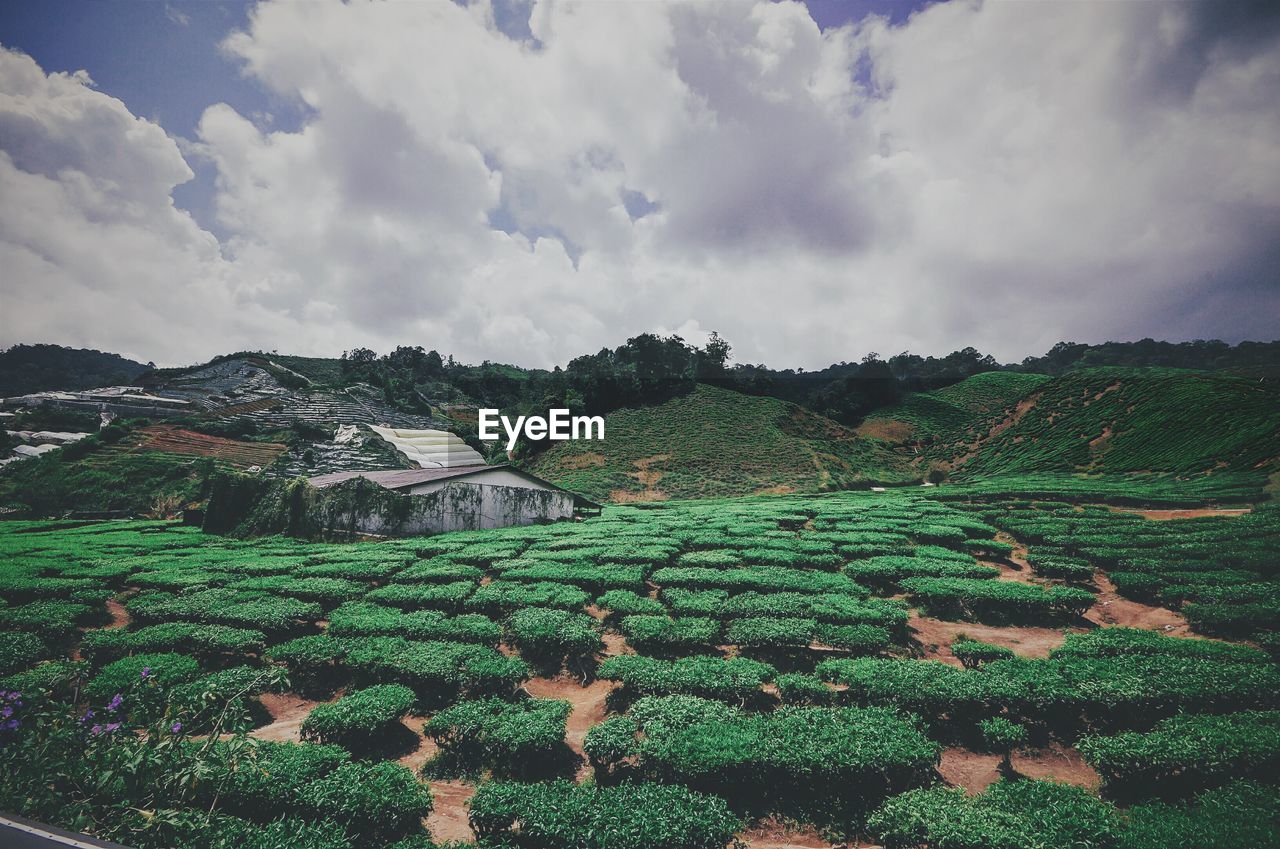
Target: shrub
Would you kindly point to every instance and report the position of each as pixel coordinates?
(759, 578)
(310, 660)
(443, 596)
(1240, 814)
(52, 620)
(225, 697)
(590, 576)
(803, 760)
(1009, 814)
(357, 717)
(995, 600)
(165, 669)
(438, 572)
(1115, 642)
(362, 619)
(973, 653)
(554, 633)
(181, 637)
(1061, 566)
(630, 816)
(380, 801)
(1193, 750)
(267, 780)
(1003, 736)
(502, 597)
(664, 635)
(734, 679)
(436, 669)
(796, 688)
(19, 650)
(510, 737)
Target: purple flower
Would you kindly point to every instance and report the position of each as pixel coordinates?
(88, 715)
(11, 725)
(176, 727)
(6, 712)
(146, 672)
(111, 726)
(115, 703)
(95, 730)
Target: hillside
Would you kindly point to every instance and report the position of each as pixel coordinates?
(715, 442)
(1172, 422)
(39, 368)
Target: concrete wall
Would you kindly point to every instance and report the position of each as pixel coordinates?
(456, 506)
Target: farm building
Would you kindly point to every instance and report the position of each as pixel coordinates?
(433, 500)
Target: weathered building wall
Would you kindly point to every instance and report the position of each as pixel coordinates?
(359, 507)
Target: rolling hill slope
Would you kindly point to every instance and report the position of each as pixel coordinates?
(714, 442)
(1152, 421)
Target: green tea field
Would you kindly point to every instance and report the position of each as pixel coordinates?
(959, 667)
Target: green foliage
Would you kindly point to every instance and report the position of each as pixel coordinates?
(19, 650)
(181, 637)
(500, 598)
(165, 669)
(995, 601)
(1009, 814)
(379, 801)
(1188, 750)
(665, 635)
(435, 669)
(630, 816)
(1002, 735)
(1240, 814)
(547, 633)
(628, 603)
(361, 619)
(1115, 642)
(509, 737)
(974, 653)
(358, 716)
(734, 679)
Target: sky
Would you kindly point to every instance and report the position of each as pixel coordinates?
(528, 181)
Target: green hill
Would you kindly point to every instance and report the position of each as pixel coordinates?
(714, 442)
(1152, 421)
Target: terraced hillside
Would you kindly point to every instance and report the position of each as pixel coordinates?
(713, 443)
(166, 439)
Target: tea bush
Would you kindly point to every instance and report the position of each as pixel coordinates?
(439, 670)
(19, 650)
(666, 635)
(359, 716)
(628, 603)
(995, 601)
(733, 680)
(362, 619)
(181, 637)
(1190, 750)
(379, 801)
(557, 814)
(509, 737)
(544, 633)
(973, 653)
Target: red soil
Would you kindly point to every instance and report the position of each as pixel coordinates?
(975, 771)
(287, 712)
(119, 615)
(1113, 609)
(1197, 513)
(937, 635)
(448, 820)
(770, 834)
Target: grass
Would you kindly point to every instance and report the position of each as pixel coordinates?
(717, 443)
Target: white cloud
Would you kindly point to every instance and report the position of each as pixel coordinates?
(1002, 175)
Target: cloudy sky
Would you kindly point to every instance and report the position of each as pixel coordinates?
(525, 182)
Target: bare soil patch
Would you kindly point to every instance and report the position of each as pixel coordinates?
(1197, 513)
(771, 834)
(974, 771)
(1113, 609)
(585, 460)
(287, 712)
(890, 430)
(937, 635)
(1057, 762)
(448, 820)
(426, 748)
(119, 615)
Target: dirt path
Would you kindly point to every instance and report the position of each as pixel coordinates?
(1197, 513)
(771, 834)
(588, 708)
(119, 615)
(1113, 609)
(937, 635)
(287, 712)
(448, 820)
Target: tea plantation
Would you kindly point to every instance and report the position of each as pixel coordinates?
(675, 675)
